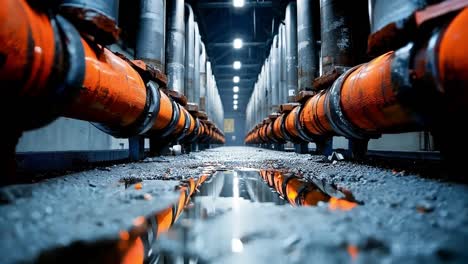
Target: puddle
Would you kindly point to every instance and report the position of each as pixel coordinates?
(244, 184)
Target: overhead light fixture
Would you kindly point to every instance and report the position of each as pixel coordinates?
(236, 96)
(235, 107)
(235, 102)
(237, 65)
(236, 79)
(235, 89)
(238, 3)
(237, 43)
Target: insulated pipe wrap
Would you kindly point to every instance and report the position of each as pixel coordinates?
(369, 101)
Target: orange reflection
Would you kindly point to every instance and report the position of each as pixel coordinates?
(135, 254)
(340, 204)
(353, 251)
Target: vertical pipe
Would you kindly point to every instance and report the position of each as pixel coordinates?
(175, 51)
(274, 74)
(150, 35)
(306, 48)
(202, 77)
(291, 49)
(282, 63)
(196, 78)
(189, 53)
(344, 29)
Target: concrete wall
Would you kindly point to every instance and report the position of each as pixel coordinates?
(397, 142)
(239, 129)
(67, 134)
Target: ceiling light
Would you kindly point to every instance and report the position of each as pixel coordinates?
(235, 107)
(238, 3)
(236, 96)
(235, 102)
(237, 43)
(236, 79)
(237, 65)
(235, 89)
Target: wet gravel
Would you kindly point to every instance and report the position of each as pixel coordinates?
(404, 218)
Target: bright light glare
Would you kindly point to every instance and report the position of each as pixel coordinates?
(236, 96)
(236, 79)
(235, 89)
(237, 65)
(237, 43)
(236, 245)
(236, 102)
(235, 107)
(238, 3)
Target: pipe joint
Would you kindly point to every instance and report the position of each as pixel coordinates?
(66, 77)
(336, 116)
(169, 129)
(146, 120)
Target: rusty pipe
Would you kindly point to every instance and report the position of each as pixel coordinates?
(379, 96)
(95, 84)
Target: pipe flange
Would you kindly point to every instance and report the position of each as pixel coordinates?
(66, 79)
(165, 132)
(433, 59)
(285, 184)
(144, 122)
(186, 127)
(194, 136)
(284, 131)
(304, 135)
(335, 113)
(301, 193)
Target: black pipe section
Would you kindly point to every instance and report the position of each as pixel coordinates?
(291, 48)
(189, 53)
(97, 18)
(344, 30)
(150, 36)
(306, 48)
(175, 45)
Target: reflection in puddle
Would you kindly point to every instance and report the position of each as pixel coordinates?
(242, 184)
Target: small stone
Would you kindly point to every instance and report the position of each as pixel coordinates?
(424, 208)
(147, 196)
(48, 210)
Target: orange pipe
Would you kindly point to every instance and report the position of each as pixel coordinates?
(277, 128)
(453, 61)
(165, 112)
(290, 124)
(112, 92)
(369, 101)
(314, 116)
(28, 47)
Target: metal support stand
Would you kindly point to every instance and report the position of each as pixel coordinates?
(7, 156)
(136, 148)
(357, 148)
(324, 146)
(159, 147)
(278, 146)
(301, 148)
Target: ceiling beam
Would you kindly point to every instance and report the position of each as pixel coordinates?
(229, 4)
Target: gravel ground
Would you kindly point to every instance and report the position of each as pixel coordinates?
(404, 218)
